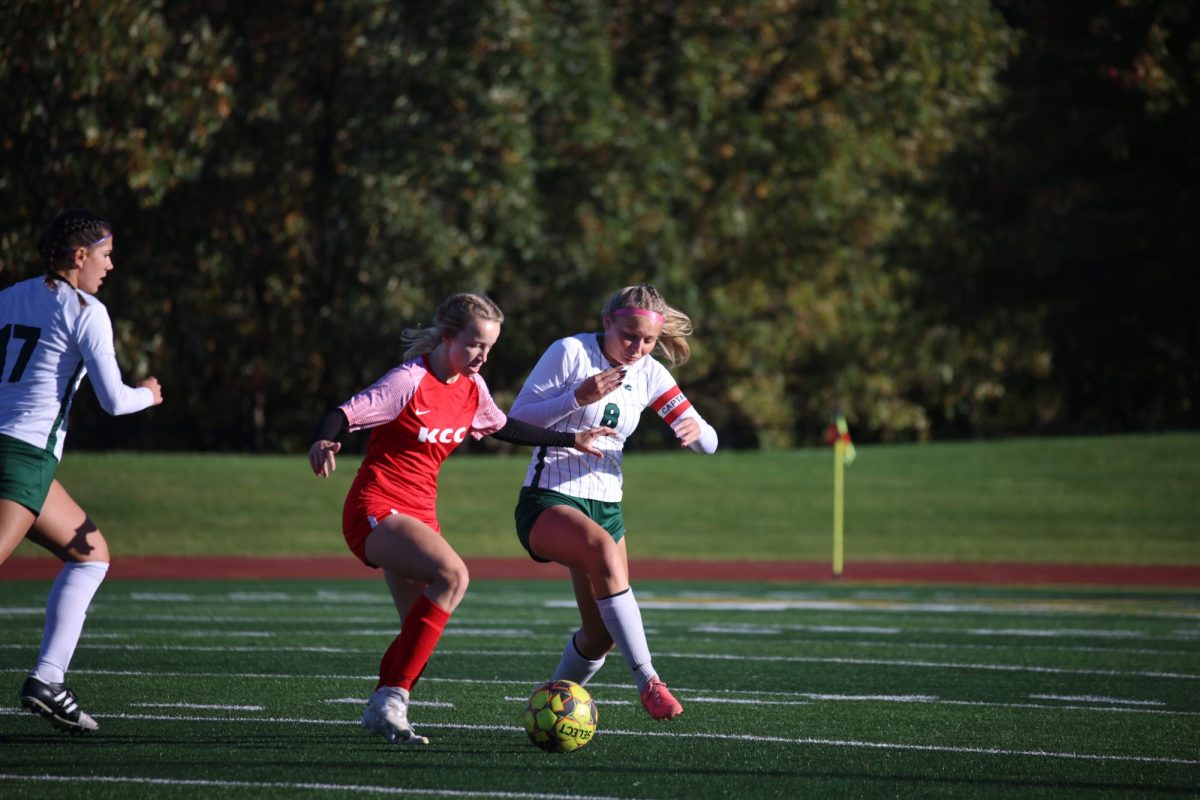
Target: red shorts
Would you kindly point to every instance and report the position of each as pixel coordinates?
(363, 511)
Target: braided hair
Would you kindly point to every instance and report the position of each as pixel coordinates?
(70, 230)
(451, 318)
(677, 326)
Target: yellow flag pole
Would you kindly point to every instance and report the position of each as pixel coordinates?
(839, 466)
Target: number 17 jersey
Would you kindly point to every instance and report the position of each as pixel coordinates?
(50, 336)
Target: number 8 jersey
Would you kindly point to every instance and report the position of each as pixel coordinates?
(51, 335)
(548, 399)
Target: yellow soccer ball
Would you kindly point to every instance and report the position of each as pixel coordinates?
(560, 717)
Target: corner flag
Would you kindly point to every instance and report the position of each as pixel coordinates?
(843, 454)
(839, 436)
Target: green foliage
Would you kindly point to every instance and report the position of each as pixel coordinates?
(1056, 242)
(102, 102)
(815, 183)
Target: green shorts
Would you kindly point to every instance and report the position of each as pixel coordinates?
(534, 501)
(26, 473)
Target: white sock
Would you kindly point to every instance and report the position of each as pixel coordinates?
(66, 609)
(623, 619)
(575, 666)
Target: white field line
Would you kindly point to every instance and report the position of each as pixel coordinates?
(335, 623)
(496, 633)
(901, 645)
(870, 662)
(1015, 609)
(198, 706)
(198, 648)
(1050, 632)
(734, 696)
(773, 630)
(908, 630)
(360, 701)
(512, 698)
(1087, 698)
(847, 643)
(481, 626)
(272, 676)
(686, 694)
(248, 619)
(695, 699)
(1190, 676)
(1060, 707)
(192, 634)
(725, 737)
(706, 603)
(307, 787)
(883, 602)
(499, 633)
(513, 633)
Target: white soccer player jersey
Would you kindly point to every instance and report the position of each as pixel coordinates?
(548, 399)
(51, 336)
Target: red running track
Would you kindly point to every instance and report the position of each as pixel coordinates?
(333, 567)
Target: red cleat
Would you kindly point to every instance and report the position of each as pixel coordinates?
(659, 701)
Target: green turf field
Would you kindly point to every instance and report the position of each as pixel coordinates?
(1122, 500)
(241, 690)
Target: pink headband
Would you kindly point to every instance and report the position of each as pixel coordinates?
(637, 312)
(98, 241)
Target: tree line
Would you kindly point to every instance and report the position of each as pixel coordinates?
(940, 218)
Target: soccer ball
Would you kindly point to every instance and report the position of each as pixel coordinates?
(560, 717)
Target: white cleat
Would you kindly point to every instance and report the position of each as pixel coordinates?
(387, 715)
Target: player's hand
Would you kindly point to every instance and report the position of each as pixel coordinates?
(320, 457)
(584, 439)
(599, 385)
(151, 383)
(687, 430)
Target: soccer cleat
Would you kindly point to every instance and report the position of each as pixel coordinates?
(387, 715)
(57, 703)
(659, 701)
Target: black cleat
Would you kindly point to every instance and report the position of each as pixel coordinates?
(57, 703)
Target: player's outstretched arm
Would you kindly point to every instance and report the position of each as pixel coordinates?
(516, 431)
(321, 457)
(696, 434)
(152, 384)
(584, 440)
(114, 396)
(326, 445)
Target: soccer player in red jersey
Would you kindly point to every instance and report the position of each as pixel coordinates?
(420, 411)
(570, 508)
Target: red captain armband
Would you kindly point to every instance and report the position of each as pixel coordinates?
(670, 405)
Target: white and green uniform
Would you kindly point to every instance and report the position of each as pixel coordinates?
(593, 485)
(548, 399)
(51, 336)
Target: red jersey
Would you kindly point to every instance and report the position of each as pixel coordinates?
(418, 421)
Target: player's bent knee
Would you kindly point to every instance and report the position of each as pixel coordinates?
(455, 578)
(606, 560)
(93, 548)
